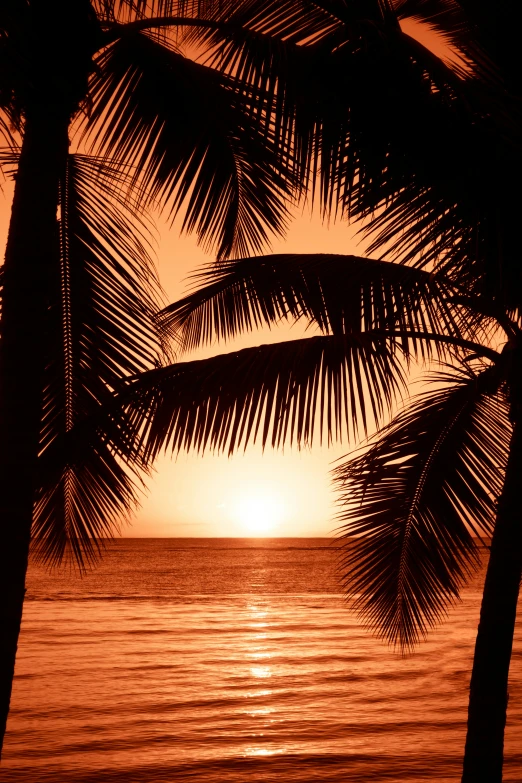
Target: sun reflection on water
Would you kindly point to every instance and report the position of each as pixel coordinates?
(262, 751)
(257, 694)
(257, 611)
(257, 651)
(260, 671)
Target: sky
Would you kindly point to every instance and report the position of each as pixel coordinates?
(275, 493)
(252, 493)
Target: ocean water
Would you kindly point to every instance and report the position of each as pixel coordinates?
(217, 660)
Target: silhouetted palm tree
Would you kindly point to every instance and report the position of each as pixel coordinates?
(79, 290)
(432, 159)
(445, 470)
(335, 90)
(225, 143)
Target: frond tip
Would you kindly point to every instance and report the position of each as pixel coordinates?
(87, 492)
(418, 502)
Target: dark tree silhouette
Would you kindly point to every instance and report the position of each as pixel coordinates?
(79, 290)
(429, 206)
(418, 496)
(431, 158)
(329, 94)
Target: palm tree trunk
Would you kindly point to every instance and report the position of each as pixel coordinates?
(31, 254)
(488, 697)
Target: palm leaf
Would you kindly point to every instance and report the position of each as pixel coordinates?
(290, 21)
(454, 225)
(125, 10)
(319, 63)
(9, 157)
(89, 486)
(103, 297)
(6, 129)
(106, 245)
(498, 36)
(414, 501)
(284, 52)
(448, 19)
(404, 159)
(341, 294)
(275, 393)
(407, 157)
(190, 134)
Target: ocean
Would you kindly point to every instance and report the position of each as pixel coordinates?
(217, 660)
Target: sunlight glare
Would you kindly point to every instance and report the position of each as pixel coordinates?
(259, 513)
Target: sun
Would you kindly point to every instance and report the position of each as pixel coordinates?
(258, 513)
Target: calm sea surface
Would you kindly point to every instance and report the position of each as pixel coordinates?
(219, 660)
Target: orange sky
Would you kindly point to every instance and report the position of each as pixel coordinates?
(216, 495)
(212, 495)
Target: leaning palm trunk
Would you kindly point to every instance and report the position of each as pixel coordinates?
(31, 249)
(489, 680)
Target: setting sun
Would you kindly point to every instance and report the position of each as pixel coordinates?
(258, 513)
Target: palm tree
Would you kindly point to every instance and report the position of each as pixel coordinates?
(435, 483)
(450, 224)
(79, 292)
(283, 102)
(437, 190)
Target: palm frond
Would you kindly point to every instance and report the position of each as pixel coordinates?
(125, 10)
(285, 392)
(498, 36)
(107, 246)
(390, 135)
(190, 134)
(103, 297)
(416, 499)
(378, 124)
(89, 486)
(452, 216)
(444, 16)
(9, 157)
(347, 86)
(291, 21)
(448, 20)
(6, 129)
(288, 53)
(341, 294)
